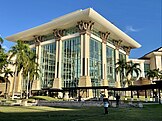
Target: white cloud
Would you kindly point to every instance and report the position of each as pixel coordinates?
(131, 29)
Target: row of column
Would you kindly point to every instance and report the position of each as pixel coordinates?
(85, 34)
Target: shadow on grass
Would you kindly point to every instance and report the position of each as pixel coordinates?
(40, 113)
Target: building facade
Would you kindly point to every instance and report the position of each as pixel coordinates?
(150, 61)
(79, 49)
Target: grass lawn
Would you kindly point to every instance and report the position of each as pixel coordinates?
(40, 113)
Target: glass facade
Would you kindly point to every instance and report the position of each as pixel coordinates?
(122, 56)
(71, 62)
(110, 40)
(72, 30)
(33, 50)
(146, 68)
(48, 55)
(95, 62)
(96, 32)
(31, 42)
(48, 37)
(110, 59)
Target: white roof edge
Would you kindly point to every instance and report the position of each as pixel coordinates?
(87, 12)
(10, 38)
(113, 28)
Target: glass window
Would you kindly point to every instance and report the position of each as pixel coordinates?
(96, 32)
(48, 37)
(48, 55)
(122, 56)
(110, 59)
(146, 68)
(72, 30)
(71, 62)
(30, 42)
(95, 62)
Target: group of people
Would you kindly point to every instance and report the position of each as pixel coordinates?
(106, 102)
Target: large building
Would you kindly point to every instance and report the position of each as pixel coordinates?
(77, 49)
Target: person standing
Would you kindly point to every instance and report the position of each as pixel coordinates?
(117, 100)
(106, 104)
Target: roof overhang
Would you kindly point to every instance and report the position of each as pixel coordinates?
(157, 52)
(70, 20)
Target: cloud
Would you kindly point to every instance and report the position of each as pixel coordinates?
(131, 29)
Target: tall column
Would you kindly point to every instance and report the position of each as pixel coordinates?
(117, 46)
(157, 57)
(104, 36)
(38, 39)
(57, 80)
(142, 69)
(127, 50)
(85, 32)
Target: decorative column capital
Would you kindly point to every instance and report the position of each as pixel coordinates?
(127, 50)
(58, 33)
(38, 39)
(104, 36)
(117, 43)
(85, 27)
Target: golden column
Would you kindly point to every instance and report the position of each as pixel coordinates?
(104, 36)
(127, 50)
(85, 28)
(117, 44)
(57, 80)
(38, 39)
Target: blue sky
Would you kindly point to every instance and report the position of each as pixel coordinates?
(140, 19)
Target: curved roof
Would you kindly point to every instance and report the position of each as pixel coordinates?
(70, 20)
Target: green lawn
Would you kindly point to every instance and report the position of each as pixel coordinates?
(39, 113)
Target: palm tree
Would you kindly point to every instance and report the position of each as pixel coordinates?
(19, 51)
(152, 74)
(7, 72)
(131, 68)
(1, 41)
(3, 60)
(160, 74)
(3, 67)
(121, 68)
(31, 71)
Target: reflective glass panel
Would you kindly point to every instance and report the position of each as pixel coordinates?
(110, 59)
(95, 62)
(71, 62)
(47, 65)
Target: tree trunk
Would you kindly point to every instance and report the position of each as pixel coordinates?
(5, 95)
(30, 88)
(27, 87)
(14, 83)
(22, 81)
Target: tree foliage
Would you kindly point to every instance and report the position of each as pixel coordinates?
(125, 69)
(24, 61)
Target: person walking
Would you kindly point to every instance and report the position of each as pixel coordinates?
(106, 104)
